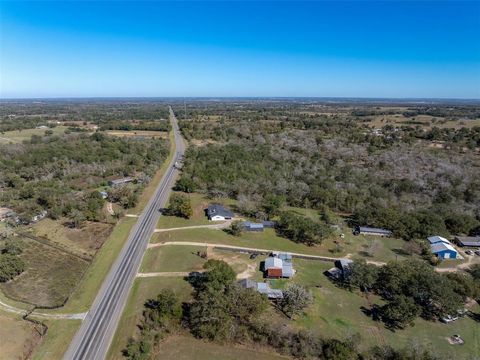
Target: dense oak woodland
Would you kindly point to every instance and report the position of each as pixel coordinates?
(61, 174)
(395, 179)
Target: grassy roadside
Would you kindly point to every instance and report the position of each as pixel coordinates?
(56, 341)
(152, 186)
(60, 332)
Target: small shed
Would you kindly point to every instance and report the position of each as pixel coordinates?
(365, 230)
(468, 241)
(251, 226)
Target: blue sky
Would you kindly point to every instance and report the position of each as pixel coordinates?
(338, 49)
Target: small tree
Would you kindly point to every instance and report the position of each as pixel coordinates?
(12, 247)
(180, 205)
(362, 274)
(235, 228)
(295, 299)
(400, 312)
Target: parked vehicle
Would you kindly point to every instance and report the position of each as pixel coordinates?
(469, 252)
(477, 252)
(448, 319)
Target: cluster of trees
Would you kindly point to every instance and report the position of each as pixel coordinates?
(412, 288)
(160, 125)
(222, 311)
(61, 174)
(26, 114)
(11, 264)
(179, 205)
(256, 154)
(302, 229)
(417, 224)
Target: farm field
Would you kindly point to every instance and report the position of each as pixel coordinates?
(17, 136)
(138, 134)
(50, 277)
(83, 241)
(19, 337)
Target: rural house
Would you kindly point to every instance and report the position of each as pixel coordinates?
(364, 230)
(262, 288)
(217, 212)
(279, 266)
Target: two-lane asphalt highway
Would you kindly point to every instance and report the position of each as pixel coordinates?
(93, 339)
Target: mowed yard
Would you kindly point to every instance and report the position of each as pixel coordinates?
(337, 312)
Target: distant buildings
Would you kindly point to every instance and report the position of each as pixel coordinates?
(262, 288)
(217, 212)
(279, 266)
(364, 230)
(442, 248)
(119, 182)
(468, 241)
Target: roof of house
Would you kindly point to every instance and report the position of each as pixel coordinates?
(287, 270)
(285, 256)
(268, 223)
(273, 262)
(437, 239)
(343, 263)
(274, 272)
(468, 240)
(217, 209)
(374, 230)
(441, 246)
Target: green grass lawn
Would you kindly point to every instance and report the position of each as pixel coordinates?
(172, 258)
(338, 313)
(17, 136)
(142, 290)
(189, 348)
(58, 337)
(354, 245)
(199, 203)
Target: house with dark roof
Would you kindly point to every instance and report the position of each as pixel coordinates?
(365, 230)
(217, 212)
(467, 241)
